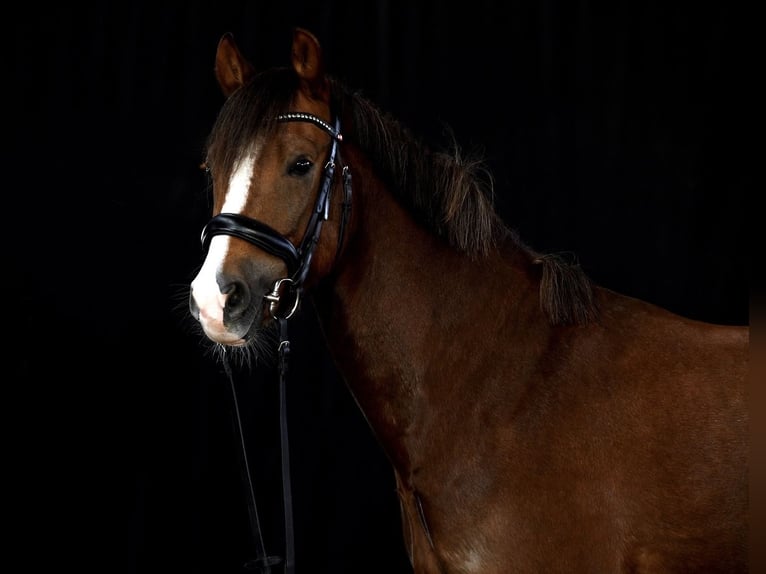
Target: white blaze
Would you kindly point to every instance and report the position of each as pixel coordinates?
(206, 291)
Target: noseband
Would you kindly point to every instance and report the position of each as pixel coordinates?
(297, 259)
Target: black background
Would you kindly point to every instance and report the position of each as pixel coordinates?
(610, 136)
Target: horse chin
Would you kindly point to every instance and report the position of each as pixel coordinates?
(239, 332)
(226, 338)
(256, 345)
(255, 336)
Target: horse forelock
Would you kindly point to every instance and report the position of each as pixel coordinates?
(247, 114)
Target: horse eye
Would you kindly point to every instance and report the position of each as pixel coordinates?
(300, 167)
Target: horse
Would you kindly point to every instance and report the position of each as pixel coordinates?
(535, 421)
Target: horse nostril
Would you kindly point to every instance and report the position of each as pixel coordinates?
(237, 298)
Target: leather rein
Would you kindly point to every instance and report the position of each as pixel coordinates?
(298, 261)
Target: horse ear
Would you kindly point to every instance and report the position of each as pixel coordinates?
(232, 70)
(309, 65)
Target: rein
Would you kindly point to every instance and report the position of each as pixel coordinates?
(298, 261)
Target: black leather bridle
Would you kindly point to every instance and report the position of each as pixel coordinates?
(297, 258)
(298, 261)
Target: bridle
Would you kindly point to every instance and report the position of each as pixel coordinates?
(298, 261)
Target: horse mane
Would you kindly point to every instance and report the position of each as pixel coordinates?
(566, 292)
(453, 195)
(449, 192)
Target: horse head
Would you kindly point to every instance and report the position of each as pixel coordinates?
(271, 156)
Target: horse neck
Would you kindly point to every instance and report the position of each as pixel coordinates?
(400, 307)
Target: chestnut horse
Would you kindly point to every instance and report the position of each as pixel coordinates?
(535, 421)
